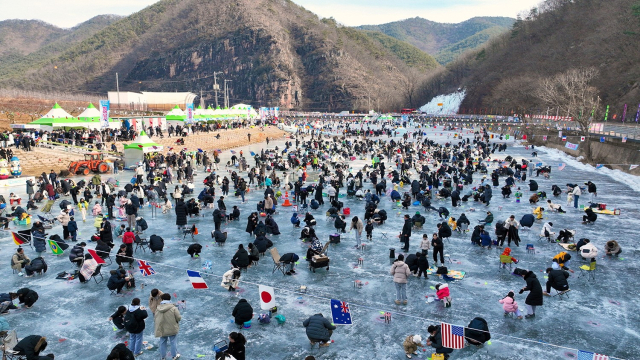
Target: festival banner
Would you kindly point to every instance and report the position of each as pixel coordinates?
(189, 119)
(104, 114)
(571, 146)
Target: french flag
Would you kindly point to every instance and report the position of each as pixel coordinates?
(196, 280)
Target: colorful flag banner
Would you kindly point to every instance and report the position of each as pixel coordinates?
(340, 312)
(267, 297)
(145, 268)
(19, 239)
(96, 257)
(196, 280)
(561, 166)
(588, 355)
(55, 249)
(599, 166)
(631, 167)
(452, 336)
(624, 139)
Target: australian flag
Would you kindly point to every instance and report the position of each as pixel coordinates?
(340, 312)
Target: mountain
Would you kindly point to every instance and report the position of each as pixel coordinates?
(26, 43)
(555, 37)
(444, 41)
(275, 53)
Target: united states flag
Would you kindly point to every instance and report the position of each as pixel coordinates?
(588, 355)
(452, 336)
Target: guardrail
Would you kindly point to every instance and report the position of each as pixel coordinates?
(74, 148)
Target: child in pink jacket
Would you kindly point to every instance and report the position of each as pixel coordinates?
(442, 292)
(509, 305)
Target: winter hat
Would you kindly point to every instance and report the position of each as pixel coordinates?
(417, 339)
(550, 224)
(507, 251)
(417, 212)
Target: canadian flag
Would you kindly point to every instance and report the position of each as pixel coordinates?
(267, 297)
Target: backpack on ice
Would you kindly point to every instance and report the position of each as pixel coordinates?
(130, 322)
(264, 318)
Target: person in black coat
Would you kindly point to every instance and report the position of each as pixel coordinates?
(124, 255)
(477, 332)
(252, 222)
(32, 346)
(156, 243)
(435, 341)
(106, 233)
(181, 213)
(27, 297)
(117, 280)
(103, 249)
(118, 317)
(120, 352)
(76, 255)
(589, 216)
(319, 329)
(262, 243)
(443, 213)
(194, 250)
(272, 226)
(406, 232)
(557, 280)
(219, 237)
(534, 288)
(237, 343)
(412, 261)
(241, 258)
(340, 224)
(533, 185)
(444, 231)
(235, 214)
(463, 220)
(423, 264)
(243, 312)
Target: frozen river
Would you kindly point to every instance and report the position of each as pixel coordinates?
(598, 316)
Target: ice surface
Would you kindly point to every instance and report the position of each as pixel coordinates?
(450, 104)
(599, 315)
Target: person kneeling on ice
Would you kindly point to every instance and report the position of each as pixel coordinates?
(242, 313)
(509, 305)
(411, 344)
(561, 261)
(230, 279)
(118, 317)
(32, 346)
(319, 329)
(290, 260)
(294, 220)
(557, 280)
(120, 352)
(194, 250)
(435, 341)
(442, 292)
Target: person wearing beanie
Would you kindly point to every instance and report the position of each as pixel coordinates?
(411, 344)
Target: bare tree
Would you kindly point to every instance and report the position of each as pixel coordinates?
(573, 94)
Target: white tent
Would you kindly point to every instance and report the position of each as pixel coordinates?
(134, 152)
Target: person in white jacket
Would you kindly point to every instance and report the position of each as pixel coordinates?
(546, 231)
(576, 195)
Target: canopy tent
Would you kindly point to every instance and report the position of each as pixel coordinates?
(92, 116)
(200, 114)
(56, 118)
(176, 116)
(134, 152)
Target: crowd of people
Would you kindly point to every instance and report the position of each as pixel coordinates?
(410, 170)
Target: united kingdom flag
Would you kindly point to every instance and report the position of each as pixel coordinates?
(145, 268)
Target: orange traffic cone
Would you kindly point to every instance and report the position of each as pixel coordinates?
(286, 203)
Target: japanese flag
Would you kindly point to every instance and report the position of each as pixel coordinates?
(267, 297)
(582, 138)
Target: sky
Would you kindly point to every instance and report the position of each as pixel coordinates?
(68, 13)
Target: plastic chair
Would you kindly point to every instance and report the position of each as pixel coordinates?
(96, 273)
(505, 260)
(588, 270)
(141, 243)
(531, 249)
(464, 229)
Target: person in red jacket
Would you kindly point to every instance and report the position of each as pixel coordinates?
(128, 238)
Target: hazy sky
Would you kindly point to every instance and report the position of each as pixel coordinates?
(67, 13)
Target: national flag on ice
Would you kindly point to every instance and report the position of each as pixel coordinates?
(97, 258)
(55, 249)
(582, 138)
(196, 280)
(145, 268)
(561, 166)
(588, 355)
(267, 297)
(564, 138)
(452, 336)
(340, 312)
(18, 239)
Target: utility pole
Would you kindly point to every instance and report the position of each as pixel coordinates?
(226, 93)
(216, 87)
(118, 89)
